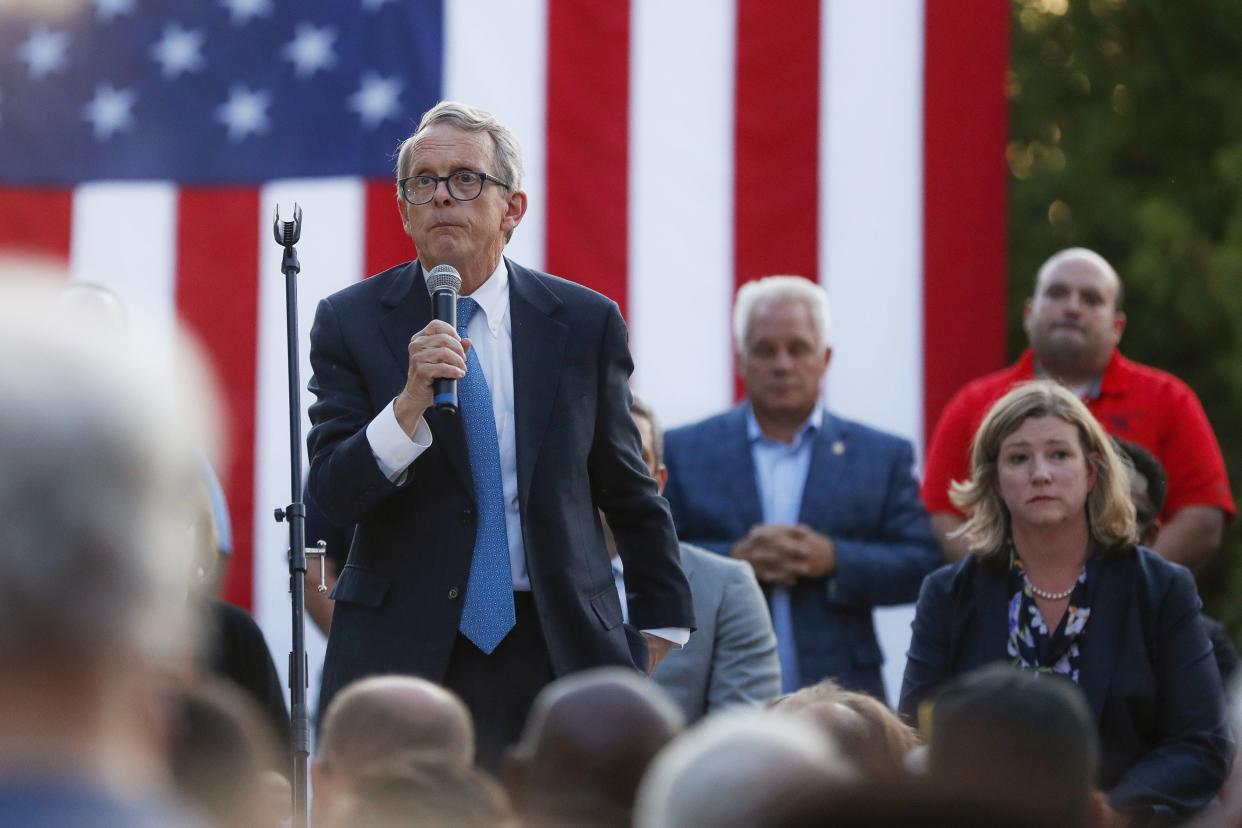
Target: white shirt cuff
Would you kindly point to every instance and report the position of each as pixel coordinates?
(393, 449)
(677, 636)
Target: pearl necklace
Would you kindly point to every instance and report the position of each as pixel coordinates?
(1042, 593)
(1052, 596)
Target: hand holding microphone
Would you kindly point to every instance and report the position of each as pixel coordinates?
(437, 356)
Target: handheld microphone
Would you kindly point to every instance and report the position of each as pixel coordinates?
(443, 283)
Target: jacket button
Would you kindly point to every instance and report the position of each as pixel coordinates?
(467, 517)
(452, 593)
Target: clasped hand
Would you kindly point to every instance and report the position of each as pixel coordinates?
(781, 554)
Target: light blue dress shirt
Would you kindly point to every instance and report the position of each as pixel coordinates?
(780, 475)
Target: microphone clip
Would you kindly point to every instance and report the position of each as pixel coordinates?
(287, 234)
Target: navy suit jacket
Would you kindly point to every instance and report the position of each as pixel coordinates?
(399, 597)
(860, 492)
(1147, 671)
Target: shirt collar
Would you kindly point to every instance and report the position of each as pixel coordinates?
(1103, 384)
(812, 424)
(493, 297)
(1111, 381)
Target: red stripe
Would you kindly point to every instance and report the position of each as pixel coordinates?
(218, 298)
(36, 220)
(776, 141)
(588, 143)
(386, 243)
(964, 132)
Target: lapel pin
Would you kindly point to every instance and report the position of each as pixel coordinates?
(838, 447)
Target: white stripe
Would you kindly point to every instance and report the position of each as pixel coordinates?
(331, 254)
(495, 58)
(124, 236)
(871, 231)
(681, 205)
(871, 193)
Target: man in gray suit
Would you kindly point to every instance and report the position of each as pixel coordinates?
(731, 658)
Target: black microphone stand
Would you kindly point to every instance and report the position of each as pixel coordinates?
(287, 234)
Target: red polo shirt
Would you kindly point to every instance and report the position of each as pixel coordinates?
(1136, 402)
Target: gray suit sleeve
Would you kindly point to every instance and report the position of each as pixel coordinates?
(745, 669)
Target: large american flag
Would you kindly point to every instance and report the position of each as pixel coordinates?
(674, 149)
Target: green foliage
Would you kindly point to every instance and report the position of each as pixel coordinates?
(1126, 137)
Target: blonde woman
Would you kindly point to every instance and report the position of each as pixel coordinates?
(1057, 584)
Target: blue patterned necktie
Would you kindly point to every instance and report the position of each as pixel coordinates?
(488, 613)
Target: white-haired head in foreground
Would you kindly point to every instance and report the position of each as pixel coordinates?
(736, 769)
(781, 289)
(102, 436)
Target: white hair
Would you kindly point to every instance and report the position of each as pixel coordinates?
(781, 289)
(100, 438)
(508, 152)
(732, 768)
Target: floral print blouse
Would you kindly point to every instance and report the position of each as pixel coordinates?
(1031, 645)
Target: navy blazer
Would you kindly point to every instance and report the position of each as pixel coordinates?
(860, 491)
(399, 597)
(1147, 671)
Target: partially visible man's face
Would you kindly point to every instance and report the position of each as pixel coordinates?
(1145, 515)
(1073, 316)
(648, 438)
(647, 434)
(782, 362)
(448, 231)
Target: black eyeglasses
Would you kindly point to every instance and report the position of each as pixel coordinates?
(463, 185)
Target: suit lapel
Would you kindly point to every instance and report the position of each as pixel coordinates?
(980, 635)
(538, 356)
(827, 458)
(409, 311)
(740, 489)
(1102, 639)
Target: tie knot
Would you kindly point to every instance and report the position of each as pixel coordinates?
(465, 312)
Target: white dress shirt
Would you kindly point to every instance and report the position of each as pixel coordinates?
(780, 474)
(491, 336)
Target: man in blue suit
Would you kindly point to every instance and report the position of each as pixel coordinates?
(826, 510)
(478, 560)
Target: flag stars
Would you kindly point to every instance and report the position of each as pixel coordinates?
(108, 10)
(110, 111)
(377, 99)
(245, 112)
(311, 49)
(242, 12)
(179, 50)
(45, 51)
(374, 5)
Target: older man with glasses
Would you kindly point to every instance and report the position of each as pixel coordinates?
(478, 560)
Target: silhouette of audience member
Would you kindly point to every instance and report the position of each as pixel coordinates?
(100, 448)
(414, 790)
(1149, 486)
(741, 769)
(870, 735)
(883, 805)
(588, 741)
(221, 754)
(1017, 741)
(376, 720)
(232, 646)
